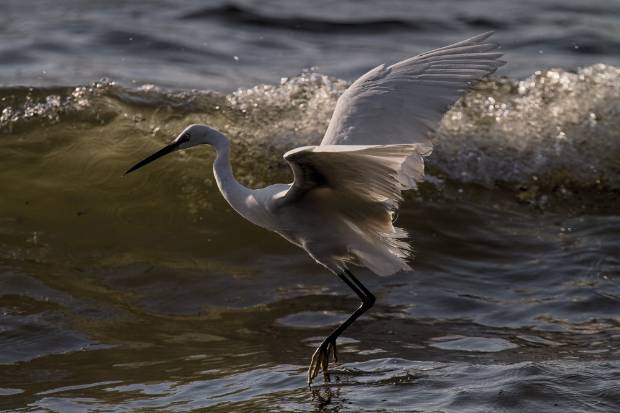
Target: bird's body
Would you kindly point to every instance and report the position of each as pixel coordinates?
(340, 206)
(336, 225)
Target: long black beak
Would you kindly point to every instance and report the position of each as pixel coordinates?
(164, 151)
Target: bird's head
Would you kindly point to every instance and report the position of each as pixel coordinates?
(191, 136)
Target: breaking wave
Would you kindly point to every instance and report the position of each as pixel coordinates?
(553, 130)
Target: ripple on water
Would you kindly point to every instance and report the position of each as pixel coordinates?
(539, 340)
(312, 319)
(5, 391)
(475, 344)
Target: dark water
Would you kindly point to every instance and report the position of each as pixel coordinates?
(149, 294)
(223, 45)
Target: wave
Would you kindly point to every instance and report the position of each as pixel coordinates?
(555, 130)
(237, 15)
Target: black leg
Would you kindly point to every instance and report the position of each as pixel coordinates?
(320, 358)
(357, 282)
(367, 298)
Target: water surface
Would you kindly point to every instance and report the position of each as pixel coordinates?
(148, 293)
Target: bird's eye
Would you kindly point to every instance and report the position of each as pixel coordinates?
(185, 137)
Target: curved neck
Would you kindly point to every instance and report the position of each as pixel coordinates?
(234, 193)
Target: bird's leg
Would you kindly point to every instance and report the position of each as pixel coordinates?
(320, 358)
(361, 286)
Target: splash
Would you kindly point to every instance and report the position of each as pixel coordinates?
(553, 128)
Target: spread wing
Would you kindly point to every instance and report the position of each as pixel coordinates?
(362, 184)
(365, 173)
(401, 103)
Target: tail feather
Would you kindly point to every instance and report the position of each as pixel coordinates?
(384, 251)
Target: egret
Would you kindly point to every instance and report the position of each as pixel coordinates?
(341, 204)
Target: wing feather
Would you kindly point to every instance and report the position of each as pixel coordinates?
(403, 102)
(370, 173)
(363, 184)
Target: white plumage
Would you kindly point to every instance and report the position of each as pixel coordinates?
(340, 206)
(361, 181)
(359, 187)
(402, 102)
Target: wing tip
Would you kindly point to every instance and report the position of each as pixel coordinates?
(474, 40)
(485, 35)
(309, 148)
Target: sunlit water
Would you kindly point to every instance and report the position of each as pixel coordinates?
(148, 293)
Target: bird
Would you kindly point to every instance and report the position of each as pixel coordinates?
(341, 205)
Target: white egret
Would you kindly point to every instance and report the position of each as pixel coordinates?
(340, 206)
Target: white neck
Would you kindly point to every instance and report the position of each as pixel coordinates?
(234, 193)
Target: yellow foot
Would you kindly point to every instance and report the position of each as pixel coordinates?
(320, 360)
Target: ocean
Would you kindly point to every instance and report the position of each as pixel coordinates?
(149, 293)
